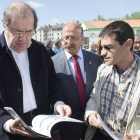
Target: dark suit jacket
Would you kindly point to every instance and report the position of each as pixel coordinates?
(43, 78)
(51, 52)
(139, 53)
(68, 84)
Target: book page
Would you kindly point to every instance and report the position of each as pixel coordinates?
(15, 116)
(44, 123)
(104, 126)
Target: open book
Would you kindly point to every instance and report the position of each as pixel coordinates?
(104, 126)
(43, 125)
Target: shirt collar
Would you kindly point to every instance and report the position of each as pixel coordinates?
(131, 69)
(68, 55)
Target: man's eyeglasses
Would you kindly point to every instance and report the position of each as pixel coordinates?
(17, 33)
(107, 47)
(136, 42)
(74, 39)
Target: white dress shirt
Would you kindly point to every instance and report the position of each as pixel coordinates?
(29, 101)
(80, 61)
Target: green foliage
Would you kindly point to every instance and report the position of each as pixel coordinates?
(135, 15)
(99, 18)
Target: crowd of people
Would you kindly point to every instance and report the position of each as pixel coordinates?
(99, 81)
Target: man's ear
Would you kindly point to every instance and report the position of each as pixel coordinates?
(128, 43)
(4, 24)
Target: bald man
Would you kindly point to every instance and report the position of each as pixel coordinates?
(136, 45)
(73, 66)
(92, 47)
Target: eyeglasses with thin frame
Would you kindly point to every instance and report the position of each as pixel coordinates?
(17, 33)
(137, 42)
(107, 47)
(74, 39)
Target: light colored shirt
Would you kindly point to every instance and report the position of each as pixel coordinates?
(56, 50)
(117, 96)
(22, 62)
(80, 61)
(29, 101)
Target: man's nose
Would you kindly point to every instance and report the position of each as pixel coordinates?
(69, 41)
(22, 37)
(103, 52)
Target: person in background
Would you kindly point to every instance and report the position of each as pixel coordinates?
(92, 47)
(49, 46)
(85, 47)
(28, 81)
(77, 71)
(116, 94)
(136, 47)
(57, 48)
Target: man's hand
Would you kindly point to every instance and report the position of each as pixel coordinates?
(92, 119)
(63, 110)
(17, 128)
(132, 137)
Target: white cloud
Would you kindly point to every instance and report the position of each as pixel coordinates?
(34, 4)
(55, 21)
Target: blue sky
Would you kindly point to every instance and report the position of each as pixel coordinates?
(64, 11)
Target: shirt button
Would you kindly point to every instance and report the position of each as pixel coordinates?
(19, 89)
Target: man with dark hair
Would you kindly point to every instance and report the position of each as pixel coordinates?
(49, 45)
(116, 94)
(77, 71)
(57, 48)
(136, 47)
(28, 82)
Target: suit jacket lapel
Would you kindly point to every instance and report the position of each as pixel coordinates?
(67, 71)
(88, 70)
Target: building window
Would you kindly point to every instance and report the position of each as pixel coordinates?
(85, 41)
(57, 33)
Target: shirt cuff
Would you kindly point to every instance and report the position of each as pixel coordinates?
(6, 126)
(57, 103)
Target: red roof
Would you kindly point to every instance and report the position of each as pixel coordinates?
(102, 24)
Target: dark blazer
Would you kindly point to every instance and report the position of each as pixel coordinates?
(138, 53)
(43, 78)
(68, 84)
(51, 52)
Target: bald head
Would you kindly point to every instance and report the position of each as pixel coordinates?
(19, 11)
(136, 45)
(92, 46)
(72, 27)
(72, 38)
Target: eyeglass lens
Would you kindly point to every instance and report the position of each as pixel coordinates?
(106, 47)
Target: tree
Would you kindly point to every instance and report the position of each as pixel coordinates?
(127, 16)
(135, 15)
(99, 17)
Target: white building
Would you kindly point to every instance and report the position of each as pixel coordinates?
(41, 34)
(55, 32)
(49, 32)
